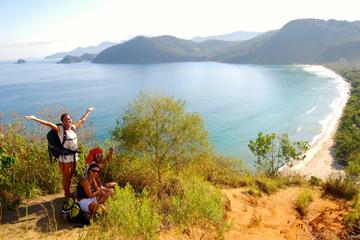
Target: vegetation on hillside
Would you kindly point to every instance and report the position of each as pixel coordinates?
(347, 148)
(168, 173)
(273, 152)
(25, 170)
(347, 138)
(161, 49)
(157, 129)
(302, 41)
(303, 201)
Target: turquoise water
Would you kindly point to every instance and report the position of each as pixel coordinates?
(236, 101)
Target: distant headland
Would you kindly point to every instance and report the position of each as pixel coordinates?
(302, 41)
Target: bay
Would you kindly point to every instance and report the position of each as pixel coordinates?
(236, 101)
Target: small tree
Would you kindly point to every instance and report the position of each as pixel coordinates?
(272, 152)
(157, 128)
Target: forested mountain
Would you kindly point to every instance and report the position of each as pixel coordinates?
(161, 49)
(349, 51)
(299, 41)
(304, 41)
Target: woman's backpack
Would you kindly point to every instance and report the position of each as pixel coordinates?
(55, 146)
(71, 212)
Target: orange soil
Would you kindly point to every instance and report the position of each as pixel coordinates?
(266, 217)
(275, 217)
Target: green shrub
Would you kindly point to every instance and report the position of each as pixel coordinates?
(201, 205)
(131, 216)
(31, 173)
(353, 170)
(340, 187)
(133, 170)
(315, 181)
(303, 201)
(272, 151)
(220, 170)
(270, 185)
(352, 219)
(347, 138)
(294, 180)
(157, 129)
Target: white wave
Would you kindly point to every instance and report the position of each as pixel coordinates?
(299, 128)
(329, 123)
(311, 110)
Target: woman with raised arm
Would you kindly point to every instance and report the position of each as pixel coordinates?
(66, 162)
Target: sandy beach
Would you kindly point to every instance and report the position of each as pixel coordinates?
(320, 159)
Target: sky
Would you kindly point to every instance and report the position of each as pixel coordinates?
(37, 28)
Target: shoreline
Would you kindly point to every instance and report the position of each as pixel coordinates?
(320, 160)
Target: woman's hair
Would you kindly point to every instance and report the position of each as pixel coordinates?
(93, 165)
(63, 116)
(92, 153)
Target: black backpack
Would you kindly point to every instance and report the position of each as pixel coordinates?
(55, 146)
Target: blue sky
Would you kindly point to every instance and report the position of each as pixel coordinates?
(20, 19)
(34, 28)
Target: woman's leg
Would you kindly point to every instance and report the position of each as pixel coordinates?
(94, 207)
(110, 184)
(103, 195)
(67, 172)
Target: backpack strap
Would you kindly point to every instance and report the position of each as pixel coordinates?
(50, 156)
(64, 135)
(74, 155)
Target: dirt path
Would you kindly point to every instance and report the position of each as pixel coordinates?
(35, 219)
(267, 217)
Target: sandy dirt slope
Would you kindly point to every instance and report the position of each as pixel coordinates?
(265, 217)
(274, 217)
(35, 219)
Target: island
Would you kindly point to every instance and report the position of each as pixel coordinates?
(20, 61)
(76, 59)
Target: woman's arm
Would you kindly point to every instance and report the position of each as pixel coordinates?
(43, 122)
(109, 156)
(83, 118)
(86, 186)
(96, 182)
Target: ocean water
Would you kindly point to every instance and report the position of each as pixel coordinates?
(235, 101)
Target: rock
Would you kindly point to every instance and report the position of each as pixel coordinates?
(20, 61)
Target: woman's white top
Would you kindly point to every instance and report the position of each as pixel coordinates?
(70, 143)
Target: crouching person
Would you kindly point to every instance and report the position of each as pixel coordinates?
(91, 197)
